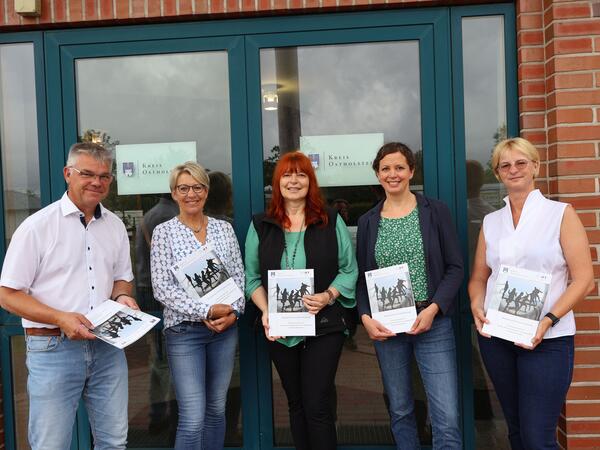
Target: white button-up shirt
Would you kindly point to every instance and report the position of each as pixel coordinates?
(64, 264)
(534, 244)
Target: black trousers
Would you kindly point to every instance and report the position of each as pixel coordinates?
(307, 373)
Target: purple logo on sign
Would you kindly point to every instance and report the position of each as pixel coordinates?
(314, 160)
(128, 169)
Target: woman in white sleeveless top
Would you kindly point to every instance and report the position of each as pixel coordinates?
(541, 235)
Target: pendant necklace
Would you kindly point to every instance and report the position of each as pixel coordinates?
(194, 230)
(285, 249)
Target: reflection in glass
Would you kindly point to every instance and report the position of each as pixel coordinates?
(160, 99)
(18, 135)
(333, 91)
(485, 125)
(343, 94)
(20, 399)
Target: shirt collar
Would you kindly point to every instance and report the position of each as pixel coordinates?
(68, 207)
(533, 197)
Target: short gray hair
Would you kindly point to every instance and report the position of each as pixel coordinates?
(192, 168)
(96, 151)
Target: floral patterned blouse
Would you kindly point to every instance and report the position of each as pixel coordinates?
(171, 242)
(400, 241)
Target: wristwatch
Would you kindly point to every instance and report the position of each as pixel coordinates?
(553, 318)
(236, 313)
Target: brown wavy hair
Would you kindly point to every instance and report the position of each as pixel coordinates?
(314, 209)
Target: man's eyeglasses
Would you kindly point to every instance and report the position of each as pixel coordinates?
(87, 175)
(519, 165)
(183, 189)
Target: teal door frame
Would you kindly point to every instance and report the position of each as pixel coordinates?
(438, 31)
(434, 122)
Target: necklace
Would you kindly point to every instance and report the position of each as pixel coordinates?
(194, 230)
(285, 249)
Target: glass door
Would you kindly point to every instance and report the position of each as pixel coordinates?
(158, 104)
(338, 96)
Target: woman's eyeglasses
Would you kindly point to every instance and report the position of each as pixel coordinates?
(519, 165)
(183, 189)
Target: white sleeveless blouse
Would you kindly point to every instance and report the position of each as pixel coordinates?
(534, 245)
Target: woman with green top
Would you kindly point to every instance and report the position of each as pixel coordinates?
(299, 232)
(416, 230)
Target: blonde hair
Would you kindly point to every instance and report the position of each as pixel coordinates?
(518, 144)
(195, 170)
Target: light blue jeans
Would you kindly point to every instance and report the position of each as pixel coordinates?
(435, 354)
(61, 372)
(201, 365)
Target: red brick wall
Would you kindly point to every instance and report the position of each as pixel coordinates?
(559, 98)
(559, 101)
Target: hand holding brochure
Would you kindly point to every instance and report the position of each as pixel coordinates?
(120, 325)
(204, 277)
(287, 314)
(516, 305)
(391, 297)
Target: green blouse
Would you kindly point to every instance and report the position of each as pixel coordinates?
(399, 241)
(344, 282)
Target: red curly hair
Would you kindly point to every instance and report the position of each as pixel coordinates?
(314, 209)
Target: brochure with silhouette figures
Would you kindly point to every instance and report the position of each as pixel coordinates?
(516, 304)
(204, 278)
(287, 314)
(391, 297)
(118, 324)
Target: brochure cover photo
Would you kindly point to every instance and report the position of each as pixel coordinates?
(516, 304)
(204, 277)
(287, 314)
(120, 325)
(391, 297)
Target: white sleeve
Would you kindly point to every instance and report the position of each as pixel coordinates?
(22, 260)
(122, 268)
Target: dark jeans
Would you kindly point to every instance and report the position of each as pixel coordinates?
(531, 386)
(307, 373)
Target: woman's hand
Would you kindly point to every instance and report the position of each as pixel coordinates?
(265, 324)
(375, 329)
(221, 324)
(479, 318)
(424, 320)
(219, 310)
(543, 326)
(316, 302)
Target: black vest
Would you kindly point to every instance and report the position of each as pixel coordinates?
(321, 249)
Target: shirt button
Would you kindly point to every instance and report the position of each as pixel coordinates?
(90, 268)
(92, 287)
(88, 248)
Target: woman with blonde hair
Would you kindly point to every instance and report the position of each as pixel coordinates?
(200, 340)
(533, 233)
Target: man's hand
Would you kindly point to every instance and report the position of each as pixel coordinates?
(128, 301)
(75, 325)
(375, 329)
(424, 320)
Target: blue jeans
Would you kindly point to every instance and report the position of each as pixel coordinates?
(61, 372)
(201, 365)
(532, 386)
(435, 353)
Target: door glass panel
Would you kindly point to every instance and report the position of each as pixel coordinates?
(155, 99)
(20, 400)
(485, 126)
(331, 100)
(18, 135)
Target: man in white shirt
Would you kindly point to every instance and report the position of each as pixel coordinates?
(62, 262)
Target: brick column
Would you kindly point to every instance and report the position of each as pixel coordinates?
(572, 74)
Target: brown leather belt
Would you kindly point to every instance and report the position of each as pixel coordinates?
(42, 331)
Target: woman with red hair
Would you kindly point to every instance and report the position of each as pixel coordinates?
(299, 232)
